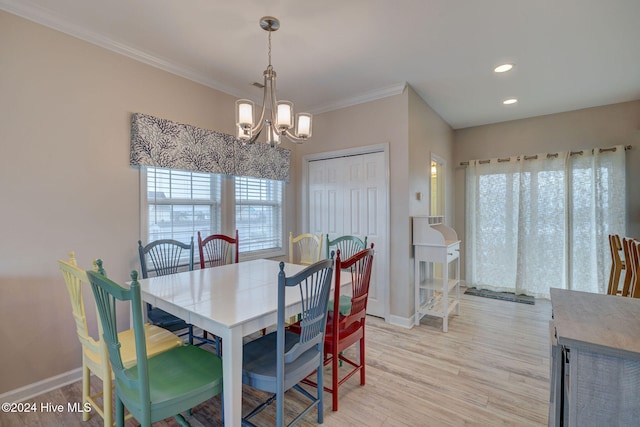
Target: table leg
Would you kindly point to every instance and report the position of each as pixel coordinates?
(232, 376)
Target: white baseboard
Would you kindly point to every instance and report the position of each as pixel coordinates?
(31, 390)
(405, 322)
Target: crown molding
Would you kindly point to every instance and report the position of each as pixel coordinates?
(373, 95)
(49, 19)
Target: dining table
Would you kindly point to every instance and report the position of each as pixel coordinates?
(231, 301)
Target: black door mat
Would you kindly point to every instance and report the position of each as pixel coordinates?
(505, 296)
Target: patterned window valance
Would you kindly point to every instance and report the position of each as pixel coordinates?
(166, 144)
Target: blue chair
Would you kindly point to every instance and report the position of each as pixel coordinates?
(280, 360)
(159, 387)
(162, 257)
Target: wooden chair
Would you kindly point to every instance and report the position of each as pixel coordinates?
(278, 361)
(305, 249)
(633, 268)
(157, 387)
(347, 245)
(216, 250)
(345, 330)
(95, 358)
(162, 257)
(617, 265)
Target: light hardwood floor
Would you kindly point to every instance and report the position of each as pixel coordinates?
(490, 369)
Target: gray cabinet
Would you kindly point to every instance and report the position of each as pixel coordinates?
(595, 360)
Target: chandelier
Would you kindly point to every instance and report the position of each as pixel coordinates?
(279, 122)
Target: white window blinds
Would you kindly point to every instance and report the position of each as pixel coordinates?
(259, 213)
(182, 203)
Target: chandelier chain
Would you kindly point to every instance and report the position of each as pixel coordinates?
(270, 49)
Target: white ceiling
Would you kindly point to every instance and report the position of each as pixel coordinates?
(569, 54)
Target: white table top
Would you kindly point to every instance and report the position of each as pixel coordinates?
(230, 294)
(230, 301)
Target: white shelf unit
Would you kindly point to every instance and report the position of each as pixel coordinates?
(436, 251)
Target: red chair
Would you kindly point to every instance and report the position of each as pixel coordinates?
(346, 328)
(215, 250)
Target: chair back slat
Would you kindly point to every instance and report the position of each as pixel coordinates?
(165, 256)
(218, 249)
(107, 293)
(347, 245)
(314, 284)
(74, 278)
(305, 248)
(634, 268)
(359, 267)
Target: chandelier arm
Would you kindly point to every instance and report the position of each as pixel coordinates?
(274, 102)
(254, 138)
(293, 138)
(260, 123)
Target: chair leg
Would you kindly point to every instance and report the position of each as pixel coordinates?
(119, 412)
(107, 403)
(320, 391)
(181, 420)
(86, 375)
(362, 361)
(335, 366)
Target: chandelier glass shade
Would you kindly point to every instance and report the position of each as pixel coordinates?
(279, 119)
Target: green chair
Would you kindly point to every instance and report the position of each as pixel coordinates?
(164, 385)
(348, 245)
(95, 357)
(280, 360)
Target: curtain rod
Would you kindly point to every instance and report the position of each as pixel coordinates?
(549, 155)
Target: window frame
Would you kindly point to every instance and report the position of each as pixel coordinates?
(271, 252)
(227, 217)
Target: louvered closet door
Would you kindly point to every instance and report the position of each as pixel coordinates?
(348, 196)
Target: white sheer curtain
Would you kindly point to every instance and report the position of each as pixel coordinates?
(542, 221)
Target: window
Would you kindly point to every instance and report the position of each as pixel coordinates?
(181, 203)
(537, 223)
(259, 213)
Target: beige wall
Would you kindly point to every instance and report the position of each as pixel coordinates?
(65, 179)
(592, 127)
(413, 131)
(428, 134)
(377, 122)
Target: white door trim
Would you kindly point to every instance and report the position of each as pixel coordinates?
(376, 148)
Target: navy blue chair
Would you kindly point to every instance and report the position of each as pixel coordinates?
(279, 361)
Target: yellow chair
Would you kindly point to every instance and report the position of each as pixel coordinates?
(305, 248)
(95, 357)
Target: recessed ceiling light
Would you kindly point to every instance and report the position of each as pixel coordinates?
(510, 101)
(503, 68)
